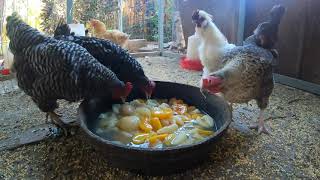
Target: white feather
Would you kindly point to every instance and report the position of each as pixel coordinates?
(213, 44)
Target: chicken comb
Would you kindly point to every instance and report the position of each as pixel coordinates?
(205, 83)
(128, 86)
(212, 84)
(127, 89)
(211, 81)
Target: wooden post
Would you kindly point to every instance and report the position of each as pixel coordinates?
(69, 11)
(2, 14)
(3, 6)
(297, 83)
(241, 22)
(120, 14)
(160, 25)
(14, 5)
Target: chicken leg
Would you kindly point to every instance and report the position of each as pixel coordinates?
(56, 119)
(260, 125)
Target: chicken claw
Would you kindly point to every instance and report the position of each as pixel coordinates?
(148, 96)
(123, 100)
(260, 125)
(56, 119)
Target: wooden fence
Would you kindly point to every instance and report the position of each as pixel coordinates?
(299, 32)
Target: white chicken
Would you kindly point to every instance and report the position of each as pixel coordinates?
(246, 71)
(213, 42)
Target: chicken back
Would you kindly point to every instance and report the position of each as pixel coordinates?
(48, 69)
(112, 56)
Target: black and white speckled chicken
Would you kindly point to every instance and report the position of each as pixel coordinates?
(246, 72)
(48, 69)
(112, 56)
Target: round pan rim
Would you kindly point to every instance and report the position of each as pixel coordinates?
(82, 119)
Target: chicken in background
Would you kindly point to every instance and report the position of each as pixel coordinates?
(247, 70)
(213, 42)
(113, 57)
(179, 42)
(48, 69)
(100, 31)
(61, 30)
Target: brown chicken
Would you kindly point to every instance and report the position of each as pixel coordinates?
(246, 72)
(100, 31)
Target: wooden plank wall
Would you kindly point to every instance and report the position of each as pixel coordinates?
(299, 35)
(299, 32)
(310, 64)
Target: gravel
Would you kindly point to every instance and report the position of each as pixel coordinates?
(291, 151)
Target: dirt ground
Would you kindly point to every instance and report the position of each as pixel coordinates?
(292, 151)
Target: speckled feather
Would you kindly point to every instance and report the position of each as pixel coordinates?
(49, 69)
(112, 56)
(247, 71)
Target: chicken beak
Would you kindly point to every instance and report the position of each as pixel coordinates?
(123, 99)
(148, 96)
(202, 92)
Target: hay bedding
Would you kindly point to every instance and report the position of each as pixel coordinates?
(292, 151)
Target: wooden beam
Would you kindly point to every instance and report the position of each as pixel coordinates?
(30, 136)
(172, 55)
(144, 54)
(120, 15)
(69, 11)
(297, 83)
(160, 24)
(14, 5)
(241, 22)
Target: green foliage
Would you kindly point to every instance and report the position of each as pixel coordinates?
(151, 24)
(106, 11)
(103, 10)
(168, 24)
(52, 13)
(28, 10)
(152, 28)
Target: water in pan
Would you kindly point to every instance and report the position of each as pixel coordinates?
(155, 124)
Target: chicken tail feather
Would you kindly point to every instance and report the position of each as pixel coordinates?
(20, 34)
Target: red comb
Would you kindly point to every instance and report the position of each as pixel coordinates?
(211, 83)
(128, 86)
(205, 83)
(212, 79)
(5, 72)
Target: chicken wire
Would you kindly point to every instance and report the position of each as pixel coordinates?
(173, 32)
(52, 12)
(2, 6)
(28, 10)
(106, 11)
(140, 18)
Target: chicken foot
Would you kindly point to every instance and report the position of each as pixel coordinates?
(56, 119)
(260, 125)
